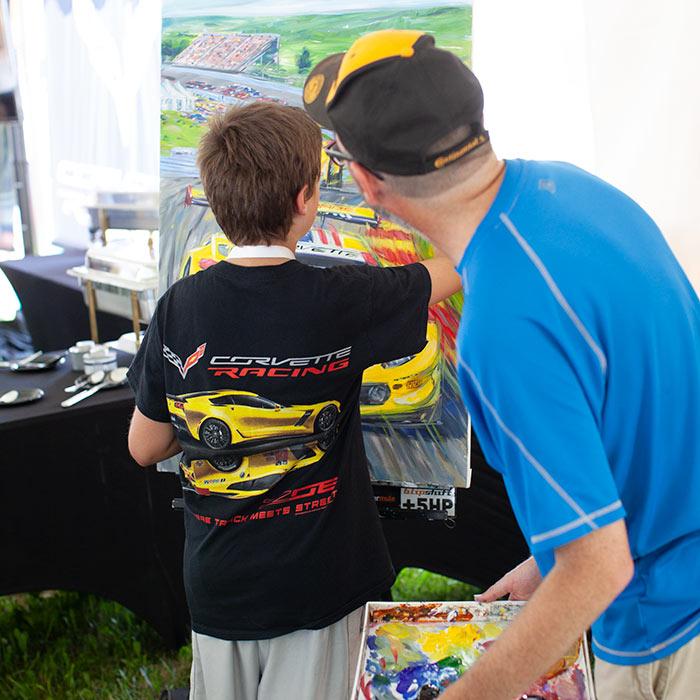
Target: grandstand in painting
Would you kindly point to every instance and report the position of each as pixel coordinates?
(230, 52)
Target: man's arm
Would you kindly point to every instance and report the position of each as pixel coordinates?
(445, 281)
(589, 574)
(151, 441)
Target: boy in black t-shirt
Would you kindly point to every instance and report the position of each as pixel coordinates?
(253, 367)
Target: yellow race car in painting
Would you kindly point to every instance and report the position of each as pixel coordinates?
(403, 390)
(326, 234)
(244, 423)
(213, 251)
(218, 247)
(236, 476)
(407, 389)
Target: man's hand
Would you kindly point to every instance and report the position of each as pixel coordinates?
(518, 584)
(589, 574)
(151, 441)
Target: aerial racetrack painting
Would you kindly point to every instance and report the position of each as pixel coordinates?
(218, 53)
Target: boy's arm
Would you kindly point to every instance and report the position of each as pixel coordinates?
(443, 277)
(151, 435)
(151, 441)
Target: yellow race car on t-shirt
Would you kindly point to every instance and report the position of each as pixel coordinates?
(236, 476)
(245, 423)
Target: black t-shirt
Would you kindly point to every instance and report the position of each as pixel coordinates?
(259, 369)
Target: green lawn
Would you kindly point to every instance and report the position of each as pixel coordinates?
(329, 33)
(418, 584)
(75, 646)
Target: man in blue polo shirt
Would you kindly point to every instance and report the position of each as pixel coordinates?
(579, 357)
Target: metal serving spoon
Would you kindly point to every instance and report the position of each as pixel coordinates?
(114, 378)
(81, 382)
(15, 397)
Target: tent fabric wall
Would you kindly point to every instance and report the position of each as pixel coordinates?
(88, 79)
(609, 86)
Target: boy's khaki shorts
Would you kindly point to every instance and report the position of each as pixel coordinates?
(303, 665)
(675, 677)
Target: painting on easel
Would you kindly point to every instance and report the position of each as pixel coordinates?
(413, 651)
(217, 54)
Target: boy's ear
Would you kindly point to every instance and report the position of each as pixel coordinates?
(301, 201)
(370, 185)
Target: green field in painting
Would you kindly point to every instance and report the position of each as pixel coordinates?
(324, 34)
(176, 130)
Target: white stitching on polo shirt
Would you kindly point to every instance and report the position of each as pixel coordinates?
(561, 299)
(655, 648)
(541, 537)
(529, 457)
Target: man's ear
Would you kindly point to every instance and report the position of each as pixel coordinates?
(370, 185)
(301, 201)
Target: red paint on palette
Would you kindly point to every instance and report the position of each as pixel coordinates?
(365, 688)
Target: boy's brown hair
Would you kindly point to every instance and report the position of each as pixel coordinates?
(253, 161)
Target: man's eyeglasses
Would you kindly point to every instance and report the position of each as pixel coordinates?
(339, 157)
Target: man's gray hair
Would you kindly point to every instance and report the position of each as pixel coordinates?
(438, 181)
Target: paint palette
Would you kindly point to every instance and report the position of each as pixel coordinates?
(413, 651)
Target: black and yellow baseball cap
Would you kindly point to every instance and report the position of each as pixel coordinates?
(394, 95)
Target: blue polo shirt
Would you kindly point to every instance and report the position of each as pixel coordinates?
(579, 361)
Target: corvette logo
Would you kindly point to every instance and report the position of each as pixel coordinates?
(189, 363)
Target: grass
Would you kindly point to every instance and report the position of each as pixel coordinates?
(418, 584)
(323, 34)
(75, 646)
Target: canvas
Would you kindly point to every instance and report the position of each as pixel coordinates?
(413, 651)
(216, 54)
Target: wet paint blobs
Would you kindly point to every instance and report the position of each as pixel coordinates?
(422, 612)
(567, 661)
(419, 680)
(465, 641)
(568, 685)
(413, 661)
(407, 660)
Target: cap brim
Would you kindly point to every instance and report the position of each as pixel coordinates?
(317, 86)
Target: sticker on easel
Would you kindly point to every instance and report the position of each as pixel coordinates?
(413, 502)
(436, 499)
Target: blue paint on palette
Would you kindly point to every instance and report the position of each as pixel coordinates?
(418, 676)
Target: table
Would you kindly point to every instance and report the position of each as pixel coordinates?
(46, 291)
(79, 514)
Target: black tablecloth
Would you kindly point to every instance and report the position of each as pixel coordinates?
(53, 382)
(53, 304)
(79, 514)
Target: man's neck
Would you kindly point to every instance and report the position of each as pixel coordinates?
(451, 219)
